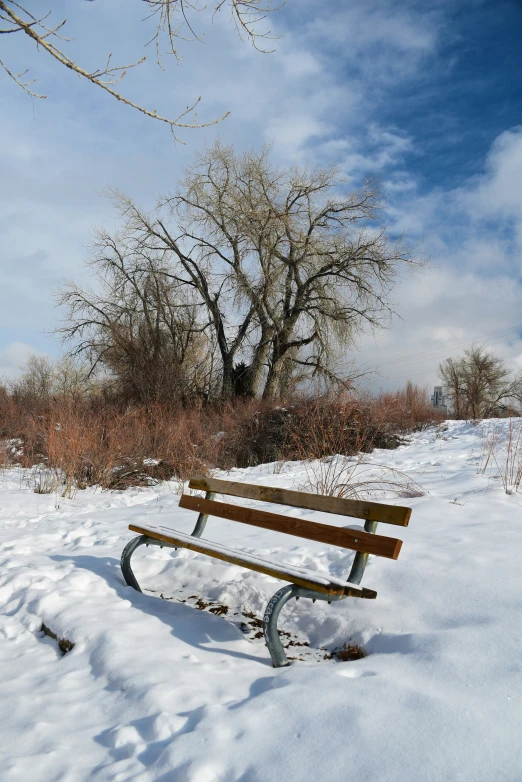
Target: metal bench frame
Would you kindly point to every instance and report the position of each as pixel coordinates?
(276, 602)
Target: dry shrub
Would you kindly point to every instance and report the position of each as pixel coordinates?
(77, 445)
(408, 410)
(255, 432)
(336, 424)
(10, 428)
(252, 432)
(10, 440)
(332, 436)
(76, 441)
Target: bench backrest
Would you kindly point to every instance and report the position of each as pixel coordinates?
(357, 509)
(363, 542)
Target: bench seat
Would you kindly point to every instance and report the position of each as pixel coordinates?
(304, 577)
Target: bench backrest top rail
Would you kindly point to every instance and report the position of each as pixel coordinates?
(365, 542)
(358, 509)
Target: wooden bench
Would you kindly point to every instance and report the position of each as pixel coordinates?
(304, 582)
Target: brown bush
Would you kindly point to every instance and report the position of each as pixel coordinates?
(96, 441)
(337, 424)
(87, 444)
(404, 411)
(252, 432)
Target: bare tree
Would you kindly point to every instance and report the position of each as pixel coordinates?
(287, 266)
(43, 379)
(71, 379)
(228, 316)
(139, 324)
(452, 375)
(478, 384)
(301, 255)
(36, 381)
(173, 24)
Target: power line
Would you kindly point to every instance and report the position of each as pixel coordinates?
(432, 358)
(497, 332)
(505, 332)
(399, 377)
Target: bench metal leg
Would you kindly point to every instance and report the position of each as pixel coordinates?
(273, 609)
(201, 522)
(275, 604)
(361, 559)
(128, 551)
(130, 548)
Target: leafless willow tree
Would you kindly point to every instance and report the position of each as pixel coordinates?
(285, 266)
(479, 384)
(173, 22)
(139, 324)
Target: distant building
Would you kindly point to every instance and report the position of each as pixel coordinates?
(438, 400)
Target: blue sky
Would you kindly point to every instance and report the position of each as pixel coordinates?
(426, 97)
(465, 94)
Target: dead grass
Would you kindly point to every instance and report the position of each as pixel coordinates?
(349, 652)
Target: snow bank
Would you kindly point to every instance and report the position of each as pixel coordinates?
(155, 689)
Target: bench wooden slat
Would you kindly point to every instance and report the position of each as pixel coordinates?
(323, 533)
(317, 582)
(358, 509)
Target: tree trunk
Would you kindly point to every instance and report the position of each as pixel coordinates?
(271, 389)
(259, 360)
(227, 382)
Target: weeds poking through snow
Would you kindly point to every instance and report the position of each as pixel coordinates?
(501, 453)
(63, 644)
(44, 480)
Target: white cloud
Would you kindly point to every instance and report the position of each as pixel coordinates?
(444, 312)
(493, 201)
(290, 134)
(379, 39)
(498, 192)
(474, 286)
(301, 63)
(363, 25)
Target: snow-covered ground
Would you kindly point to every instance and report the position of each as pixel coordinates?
(155, 689)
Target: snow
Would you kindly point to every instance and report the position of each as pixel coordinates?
(155, 689)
